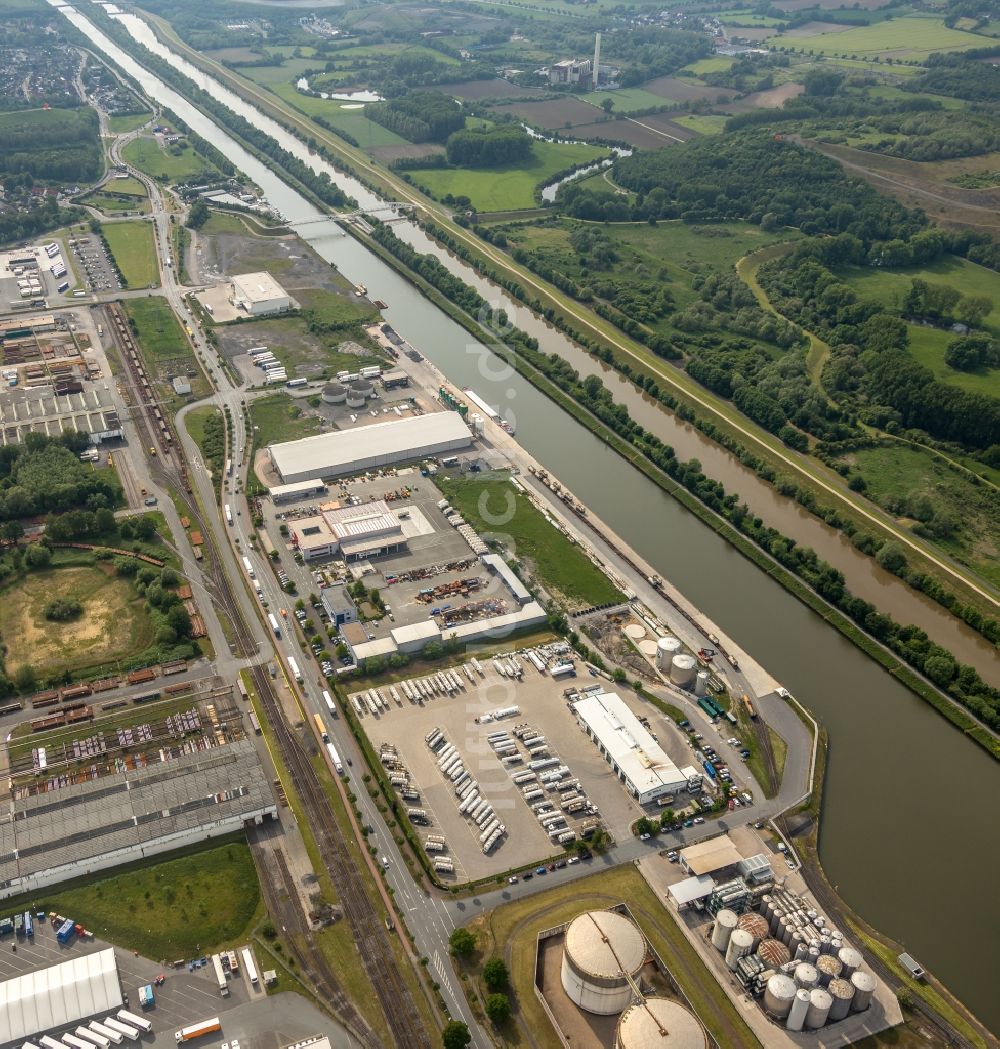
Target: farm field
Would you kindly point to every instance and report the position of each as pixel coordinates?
(369, 134)
(715, 64)
(288, 72)
(554, 114)
(625, 99)
(704, 125)
(686, 89)
(147, 155)
(560, 566)
(909, 37)
(474, 90)
(134, 250)
(510, 188)
(113, 624)
(127, 122)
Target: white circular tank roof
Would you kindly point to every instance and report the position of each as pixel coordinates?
(635, 631)
(647, 647)
(669, 644)
(659, 1023)
(603, 943)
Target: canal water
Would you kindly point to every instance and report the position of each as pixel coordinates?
(903, 824)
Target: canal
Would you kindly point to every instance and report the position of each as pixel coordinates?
(898, 845)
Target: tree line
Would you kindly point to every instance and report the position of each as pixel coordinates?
(56, 145)
(425, 116)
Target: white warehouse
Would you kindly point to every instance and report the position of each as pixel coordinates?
(638, 760)
(366, 447)
(258, 294)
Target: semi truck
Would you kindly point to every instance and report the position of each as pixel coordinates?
(198, 1030)
(139, 1022)
(130, 1032)
(294, 668)
(275, 625)
(249, 568)
(229, 515)
(220, 975)
(249, 965)
(146, 997)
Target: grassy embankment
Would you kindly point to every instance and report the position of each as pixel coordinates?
(119, 125)
(278, 418)
(134, 250)
(167, 163)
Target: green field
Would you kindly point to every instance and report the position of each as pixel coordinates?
(928, 345)
(156, 327)
(716, 64)
(704, 125)
(912, 36)
(626, 99)
(171, 164)
(278, 418)
(128, 122)
(560, 566)
(134, 250)
(509, 188)
(369, 134)
(289, 71)
(179, 908)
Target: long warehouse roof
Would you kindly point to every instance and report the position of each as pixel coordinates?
(328, 451)
(62, 994)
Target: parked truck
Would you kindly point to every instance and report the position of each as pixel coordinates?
(146, 997)
(198, 1030)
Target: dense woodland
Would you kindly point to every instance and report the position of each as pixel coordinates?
(54, 145)
(426, 116)
(489, 147)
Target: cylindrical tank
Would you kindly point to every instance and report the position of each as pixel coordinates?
(797, 1013)
(851, 960)
(601, 951)
(740, 944)
(666, 649)
(754, 924)
(842, 992)
(779, 995)
(835, 944)
(767, 906)
(334, 393)
(477, 423)
(824, 945)
(364, 387)
(864, 988)
(777, 913)
(683, 670)
(819, 1008)
(806, 975)
(814, 955)
(829, 967)
(355, 400)
(725, 922)
(785, 929)
(701, 683)
(662, 1023)
(773, 953)
(801, 953)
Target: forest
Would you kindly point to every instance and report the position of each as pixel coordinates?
(426, 116)
(54, 145)
(957, 76)
(489, 147)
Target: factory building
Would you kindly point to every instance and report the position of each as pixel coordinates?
(258, 294)
(498, 566)
(637, 759)
(659, 1023)
(67, 993)
(710, 857)
(339, 605)
(355, 533)
(603, 953)
(368, 447)
(289, 493)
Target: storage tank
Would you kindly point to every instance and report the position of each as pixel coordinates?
(842, 993)
(819, 1008)
(767, 906)
(666, 649)
(477, 424)
(362, 387)
(658, 1023)
(806, 975)
(602, 950)
(740, 944)
(801, 952)
(755, 925)
(851, 960)
(334, 393)
(797, 1013)
(779, 995)
(864, 988)
(355, 400)
(773, 953)
(636, 631)
(683, 670)
(725, 922)
(777, 913)
(813, 955)
(701, 683)
(829, 967)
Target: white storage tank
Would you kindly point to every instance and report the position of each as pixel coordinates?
(477, 424)
(362, 387)
(701, 683)
(851, 961)
(829, 967)
(725, 922)
(842, 993)
(334, 393)
(355, 400)
(779, 995)
(658, 1023)
(740, 944)
(806, 975)
(797, 1013)
(666, 649)
(683, 670)
(754, 924)
(819, 1008)
(602, 950)
(864, 988)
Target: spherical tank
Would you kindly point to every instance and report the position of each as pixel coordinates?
(829, 966)
(797, 1014)
(683, 670)
(666, 649)
(334, 393)
(819, 1008)
(806, 975)
(842, 993)
(773, 953)
(864, 988)
(658, 1023)
(725, 922)
(779, 995)
(635, 631)
(740, 944)
(601, 951)
(701, 683)
(755, 925)
(851, 960)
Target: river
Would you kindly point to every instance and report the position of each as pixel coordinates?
(881, 803)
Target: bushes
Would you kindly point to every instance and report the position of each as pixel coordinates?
(489, 147)
(62, 610)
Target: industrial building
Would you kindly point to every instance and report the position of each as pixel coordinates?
(339, 605)
(659, 1023)
(354, 533)
(289, 493)
(258, 294)
(80, 828)
(369, 447)
(603, 952)
(710, 857)
(62, 994)
(637, 759)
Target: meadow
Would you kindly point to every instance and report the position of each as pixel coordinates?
(134, 250)
(913, 36)
(157, 329)
(149, 157)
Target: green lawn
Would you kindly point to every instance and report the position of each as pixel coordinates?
(509, 188)
(626, 99)
(175, 909)
(173, 163)
(134, 250)
(289, 71)
(278, 418)
(131, 187)
(128, 122)
(911, 36)
(527, 536)
(157, 329)
(928, 345)
(704, 125)
(716, 64)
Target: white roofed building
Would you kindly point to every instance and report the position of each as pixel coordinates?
(354, 532)
(258, 294)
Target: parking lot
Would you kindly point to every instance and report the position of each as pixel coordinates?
(93, 263)
(544, 709)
